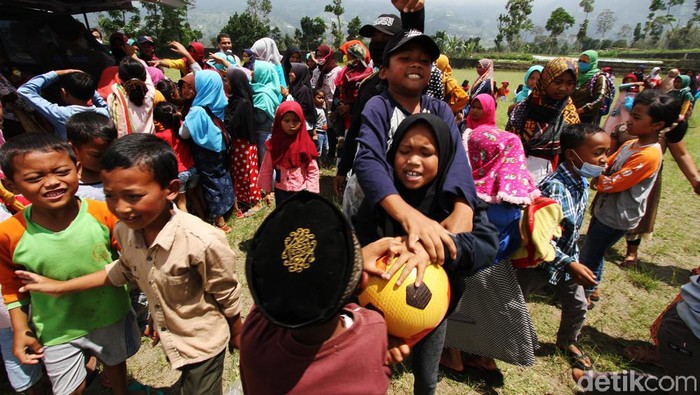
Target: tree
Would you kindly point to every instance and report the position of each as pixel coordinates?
(311, 34)
(558, 22)
(250, 26)
(624, 32)
(587, 6)
(604, 23)
(336, 8)
(512, 23)
(163, 23)
(354, 27)
(637, 35)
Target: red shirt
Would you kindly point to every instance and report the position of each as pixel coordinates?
(182, 150)
(273, 362)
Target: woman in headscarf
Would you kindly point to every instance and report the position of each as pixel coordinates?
(681, 91)
(482, 112)
(300, 89)
(666, 84)
(621, 110)
(291, 55)
(243, 158)
(266, 99)
(652, 80)
(266, 50)
(349, 79)
(455, 96)
(484, 82)
(209, 148)
(590, 88)
(325, 75)
(540, 118)
(132, 99)
(531, 77)
(248, 58)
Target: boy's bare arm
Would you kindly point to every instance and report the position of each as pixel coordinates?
(235, 326)
(36, 283)
(26, 346)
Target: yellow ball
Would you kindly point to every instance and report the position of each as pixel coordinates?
(409, 312)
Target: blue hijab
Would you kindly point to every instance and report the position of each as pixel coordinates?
(266, 88)
(210, 93)
(525, 92)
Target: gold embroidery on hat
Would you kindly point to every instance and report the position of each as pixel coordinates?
(298, 254)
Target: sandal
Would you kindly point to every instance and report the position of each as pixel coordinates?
(239, 214)
(252, 212)
(595, 295)
(224, 227)
(577, 358)
(630, 263)
(642, 354)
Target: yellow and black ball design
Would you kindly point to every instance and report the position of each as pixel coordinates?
(410, 312)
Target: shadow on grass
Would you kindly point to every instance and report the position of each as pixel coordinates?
(603, 347)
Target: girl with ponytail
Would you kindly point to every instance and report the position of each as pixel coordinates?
(132, 98)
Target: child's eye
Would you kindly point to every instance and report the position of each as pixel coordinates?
(32, 180)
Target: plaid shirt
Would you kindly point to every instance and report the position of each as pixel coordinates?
(570, 190)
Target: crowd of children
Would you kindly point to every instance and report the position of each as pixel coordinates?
(117, 240)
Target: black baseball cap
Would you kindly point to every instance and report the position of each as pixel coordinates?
(386, 23)
(304, 263)
(412, 35)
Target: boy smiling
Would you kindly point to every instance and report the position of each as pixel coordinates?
(183, 265)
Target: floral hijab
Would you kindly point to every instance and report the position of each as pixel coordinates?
(531, 119)
(498, 167)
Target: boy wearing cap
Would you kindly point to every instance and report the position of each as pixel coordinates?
(183, 265)
(303, 267)
(406, 68)
(379, 33)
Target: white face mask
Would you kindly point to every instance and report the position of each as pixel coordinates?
(588, 170)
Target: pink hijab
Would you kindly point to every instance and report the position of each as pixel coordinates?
(489, 118)
(497, 158)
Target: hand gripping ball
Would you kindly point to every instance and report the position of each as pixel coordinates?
(410, 313)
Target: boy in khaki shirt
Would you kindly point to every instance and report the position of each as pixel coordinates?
(183, 265)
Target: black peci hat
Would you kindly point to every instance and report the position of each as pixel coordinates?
(304, 263)
(406, 36)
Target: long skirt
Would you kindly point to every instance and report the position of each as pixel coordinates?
(491, 318)
(243, 164)
(215, 179)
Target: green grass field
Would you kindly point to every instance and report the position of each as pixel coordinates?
(631, 299)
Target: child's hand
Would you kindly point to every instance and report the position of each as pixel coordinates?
(408, 5)
(151, 332)
(582, 274)
(37, 283)
(430, 233)
(407, 261)
(235, 326)
(398, 350)
(389, 246)
(178, 48)
(27, 348)
(269, 199)
(339, 186)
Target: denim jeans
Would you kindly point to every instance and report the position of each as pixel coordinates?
(599, 238)
(322, 144)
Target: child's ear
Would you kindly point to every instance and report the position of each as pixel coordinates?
(658, 125)
(173, 188)
(383, 71)
(79, 167)
(569, 155)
